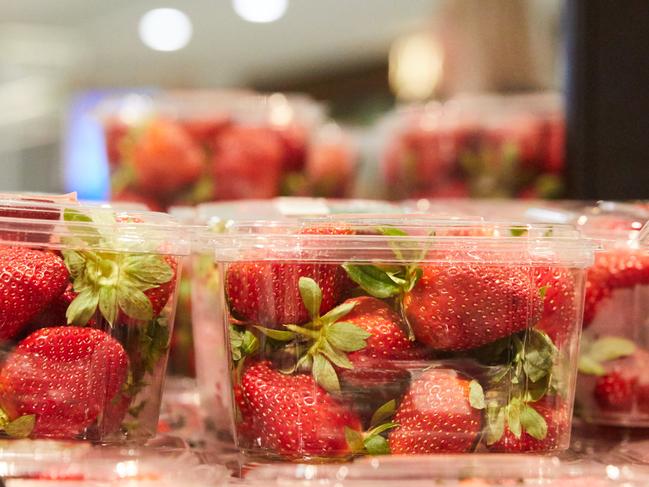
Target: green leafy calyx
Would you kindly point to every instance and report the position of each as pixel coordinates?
(595, 354)
(110, 281)
(327, 338)
(373, 441)
(524, 368)
(21, 427)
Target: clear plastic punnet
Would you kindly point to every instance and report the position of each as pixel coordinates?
(211, 352)
(88, 296)
(613, 385)
(184, 148)
(474, 146)
(401, 335)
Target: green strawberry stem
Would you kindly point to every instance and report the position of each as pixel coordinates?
(21, 427)
(109, 281)
(391, 281)
(243, 343)
(594, 354)
(327, 338)
(146, 346)
(522, 375)
(372, 442)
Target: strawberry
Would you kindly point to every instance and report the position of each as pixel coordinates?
(54, 313)
(268, 293)
(436, 415)
(64, 376)
(294, 417)
(362, 340)
(30, 281)
(165, 158)
(614, 269)
(247, 163)
(387, 340)
(159, 295)
(542, 426)
(204, 130)
(329, 169)
(460, 307)
(615, 392)
(619, 368)
(559, 317)
(294, 140)
(114, 133)
(113, 414)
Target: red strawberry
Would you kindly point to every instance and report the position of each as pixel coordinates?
(614, 269)
(247, 163)
(435, 416)
(559, 318)
(294, 141)
(387, 340)
(64, 376)
(113, 414)
(114, 133)
(380, 369)
(597, 290)
(267, 292)
(165, 158)
(615, 392)
(460, 307)
(54, 314)
(624, 383)
(29, 281)
(329, 169)
(555, 414)
(159, 295)
(295, 417)
(204, 130)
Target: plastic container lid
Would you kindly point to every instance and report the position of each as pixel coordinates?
(445, 469)
(608, 220)
(30, 221)
(288, 208)
(393, 239)
(48, 462)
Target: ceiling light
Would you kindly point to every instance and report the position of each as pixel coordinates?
(415, 66)
(260, 11)
(165, 29)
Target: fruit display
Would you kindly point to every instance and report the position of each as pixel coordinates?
(484, 146)
(613, 385)
(88, 296)
(185, 148)
(362, 335)
(211, 352)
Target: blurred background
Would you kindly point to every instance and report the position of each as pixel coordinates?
(423, 90)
